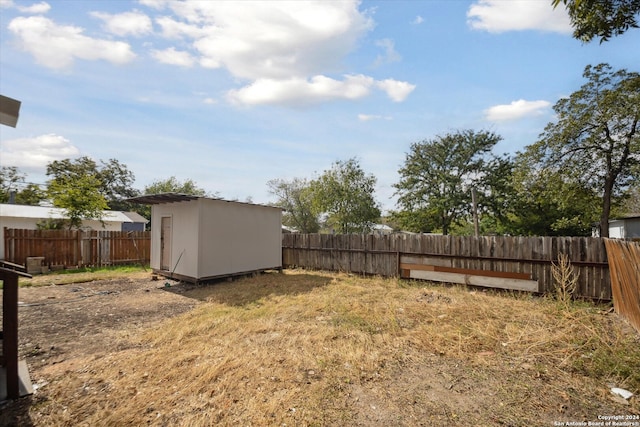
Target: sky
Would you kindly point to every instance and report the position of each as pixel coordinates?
(232, 94)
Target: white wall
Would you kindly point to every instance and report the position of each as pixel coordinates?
(624, 228)
(184, 236)
(616, 229)
(238, 237)
(218, 237)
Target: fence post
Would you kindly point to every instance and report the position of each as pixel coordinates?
(78, 254)
(10, 331)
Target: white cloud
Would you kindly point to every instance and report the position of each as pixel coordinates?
(281, 52)
(396, 90)
(300, 91)
(129, 23)
(369, 117)
(156, 4)
(390, 54)
(209, 101)
(274, 40)
(419, 20)
(173, 29)
(57, 46)
(516, 110)
(37, 8)
(34, 154)
(173, 57)
(498, 16)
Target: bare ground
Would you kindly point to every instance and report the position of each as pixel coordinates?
(61, 324)
(66, 328)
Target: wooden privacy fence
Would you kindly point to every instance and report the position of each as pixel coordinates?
(488, 259)
(70, 248)
(624, 262)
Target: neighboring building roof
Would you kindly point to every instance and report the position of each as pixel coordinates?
(382, 227)
(44, 212)
(136, 217)
(626, 216)
(156, 199)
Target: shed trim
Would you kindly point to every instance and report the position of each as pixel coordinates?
(156, 199)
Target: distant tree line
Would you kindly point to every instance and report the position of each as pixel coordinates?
(85, 188)
(584, 167)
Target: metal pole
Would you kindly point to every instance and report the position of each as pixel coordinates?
(10, 331)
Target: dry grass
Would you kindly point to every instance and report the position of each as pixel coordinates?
(307, 348)
(84, 275)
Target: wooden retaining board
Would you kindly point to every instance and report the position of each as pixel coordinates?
(485, 278)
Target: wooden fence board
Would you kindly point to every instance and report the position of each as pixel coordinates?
(530, 256)
(624, 259)
(73, 248)
(473, 280)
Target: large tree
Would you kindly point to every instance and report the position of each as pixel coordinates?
(601, 18)
(10, 178)
(296, 198)
(173, 185)
(546, 203)
(115, 180)
(345, 194)
(169, 185)
(13, 188)
(631, 202)
(438, 175)
(79, 195)
(595, 140)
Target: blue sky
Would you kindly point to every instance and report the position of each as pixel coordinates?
(233, 94)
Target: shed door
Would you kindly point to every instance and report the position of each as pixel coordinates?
(165, 244)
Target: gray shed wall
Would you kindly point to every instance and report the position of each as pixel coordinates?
(218, 238)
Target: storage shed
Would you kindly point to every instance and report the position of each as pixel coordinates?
(199, 238)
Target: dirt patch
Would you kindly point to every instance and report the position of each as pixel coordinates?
(59, 324)
(71, 321)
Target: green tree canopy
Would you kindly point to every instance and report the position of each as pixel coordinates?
(31, 195)
(345, 194)
(437, 177)
(296, 198)
(79, 195)
(13, 181)
(601, 18)
(172, 185)
(546, 203)
(595, 141)
(169, 185)
(114, 179)
(10, 178)
(631, 200)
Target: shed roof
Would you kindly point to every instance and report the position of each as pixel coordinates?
(45, 212)
(156, 199)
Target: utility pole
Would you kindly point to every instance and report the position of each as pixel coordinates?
(476, 228)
